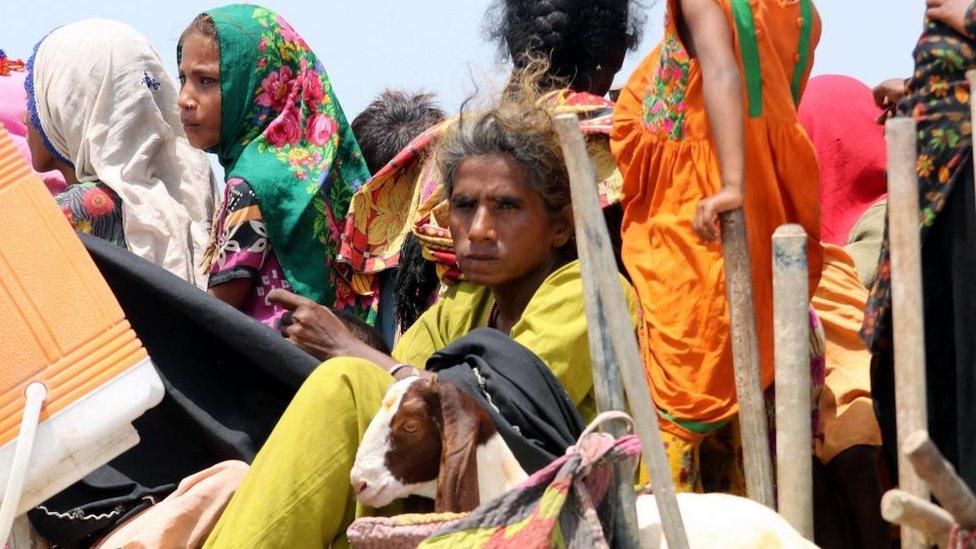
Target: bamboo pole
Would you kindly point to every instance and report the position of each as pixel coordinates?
(906, 297)
(745, 360)
(794, 436)
(613, 344)
(940, 476)
(930, 522)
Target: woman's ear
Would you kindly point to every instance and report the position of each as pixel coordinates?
(564, 228)
(457, 482)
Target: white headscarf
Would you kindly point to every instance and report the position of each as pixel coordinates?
(103, 102)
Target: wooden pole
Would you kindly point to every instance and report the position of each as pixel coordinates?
(906, 297)
(613, 344)
(794, 436)
(940, 476)
(745, 360)
(931, 523)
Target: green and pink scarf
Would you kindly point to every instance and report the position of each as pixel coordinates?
(284, 132)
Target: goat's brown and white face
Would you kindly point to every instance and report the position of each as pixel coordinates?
(400, 451)
(428, 439)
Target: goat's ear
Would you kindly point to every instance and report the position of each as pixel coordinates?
(457, 483)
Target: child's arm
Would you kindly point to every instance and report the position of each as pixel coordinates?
(233, 292)
(708, 37)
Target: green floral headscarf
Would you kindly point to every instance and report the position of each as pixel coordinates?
(284, 132)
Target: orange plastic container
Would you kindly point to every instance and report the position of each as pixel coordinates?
(61, 325)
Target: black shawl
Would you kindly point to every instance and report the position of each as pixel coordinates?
(529, 407)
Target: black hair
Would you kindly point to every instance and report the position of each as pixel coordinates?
(518, 126)
(391, 121)
(415, 282)
(576, 36)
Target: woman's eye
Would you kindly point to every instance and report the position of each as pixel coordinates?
(206, 80)
(182, 80)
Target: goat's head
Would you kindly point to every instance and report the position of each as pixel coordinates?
(423, 441)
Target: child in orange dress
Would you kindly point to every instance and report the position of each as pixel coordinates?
(705, 125)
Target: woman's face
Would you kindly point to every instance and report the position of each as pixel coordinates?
(41, 159)
(501, 228)
(601, 80)
(200, 90)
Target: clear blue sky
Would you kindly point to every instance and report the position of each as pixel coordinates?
(368, 45)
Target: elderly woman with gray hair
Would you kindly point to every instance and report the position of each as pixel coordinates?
(511, 219)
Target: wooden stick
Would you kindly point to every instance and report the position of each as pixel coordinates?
(745, 360)
(940, 476)
(921, 516)
(906, 297)
(613, 344)
(794, 436)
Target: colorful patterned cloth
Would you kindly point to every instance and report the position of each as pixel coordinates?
(407, 195)
(961, 539)
(243, 252)
(404, 531)
(93, 208)
(937, 97)
(562, 505)
(285, 134)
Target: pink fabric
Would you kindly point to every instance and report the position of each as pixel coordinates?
(186, 517)
(13, 105)
(839, 115)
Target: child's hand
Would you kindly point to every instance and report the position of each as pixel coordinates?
(706, 216)
(311, 326)
(950, 12)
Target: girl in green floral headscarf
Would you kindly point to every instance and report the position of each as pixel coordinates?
(256, 95)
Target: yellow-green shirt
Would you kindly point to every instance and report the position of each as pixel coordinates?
(553, 326)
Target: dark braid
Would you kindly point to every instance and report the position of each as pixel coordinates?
(576, 35)
(551, 24)
(414, 283)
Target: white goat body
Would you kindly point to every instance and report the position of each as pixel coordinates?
(720, 520)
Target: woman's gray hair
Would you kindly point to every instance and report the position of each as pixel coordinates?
(518, 127)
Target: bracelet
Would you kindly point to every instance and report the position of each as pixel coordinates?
(397, 367)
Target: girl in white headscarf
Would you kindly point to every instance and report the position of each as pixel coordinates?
(102, 110)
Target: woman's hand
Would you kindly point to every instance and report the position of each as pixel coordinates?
(706, 216)
(889, 92)
(312, 327)
(950, 12)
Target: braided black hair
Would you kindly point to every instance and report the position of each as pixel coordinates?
(577, 36)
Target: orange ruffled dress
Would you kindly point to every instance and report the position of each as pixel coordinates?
(662, 144)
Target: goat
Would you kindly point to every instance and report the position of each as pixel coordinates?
(431, 439)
